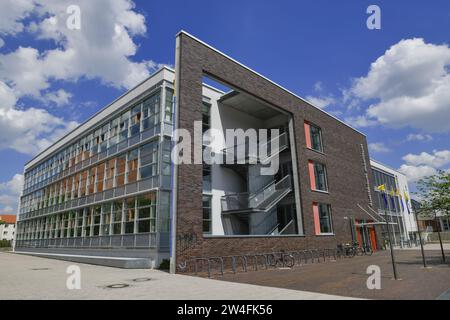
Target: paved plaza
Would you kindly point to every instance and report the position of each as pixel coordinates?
(28, 277)
(348, 277)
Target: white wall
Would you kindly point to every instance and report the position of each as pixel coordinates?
(7, 231)
(225, 180)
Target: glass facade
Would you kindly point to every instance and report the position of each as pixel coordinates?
(113, 181)
(389, 205)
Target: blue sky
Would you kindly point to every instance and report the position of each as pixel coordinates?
(391, 83)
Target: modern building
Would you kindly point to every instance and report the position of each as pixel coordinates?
(111, 188)
(7, 226)
(395, 204)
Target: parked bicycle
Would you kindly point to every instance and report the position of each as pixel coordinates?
(346, 250)
(280, 259)
(366, 250)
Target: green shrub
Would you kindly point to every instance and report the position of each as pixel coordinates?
(5, 243)
(165, 265)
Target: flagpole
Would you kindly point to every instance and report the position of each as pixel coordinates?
(420, 238)
(394, 267)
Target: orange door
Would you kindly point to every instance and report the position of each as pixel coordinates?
(373, 238)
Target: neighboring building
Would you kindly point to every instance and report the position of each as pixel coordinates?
(7, 226)
(109, 186)
(399, 209)
(440, 222)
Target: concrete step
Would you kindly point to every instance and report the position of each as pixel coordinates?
(117, 262)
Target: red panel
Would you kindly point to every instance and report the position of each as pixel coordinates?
(312, 178)
(316, 218)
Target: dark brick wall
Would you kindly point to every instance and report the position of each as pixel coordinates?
(342, 157)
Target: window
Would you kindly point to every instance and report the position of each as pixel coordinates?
(100, 176)
(114, 131)
(87, 222)
(129, 215)
(313, 135)
(135, 120)
(207, 221)
(106, 219)
(316, 138)
(110, 166)
(150, 109)
(79, 223)
(318, 176)
(120, 175)
(166, 165)
(206, 120)
(123, 126)
(96, 212)
(206, 177)
(147, 213)
(149, 160)
(132, 165)
(168, 114)
(117, 222)
(322, 218)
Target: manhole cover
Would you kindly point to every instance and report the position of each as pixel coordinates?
(141, 279)
(118, 286)
(38, 269)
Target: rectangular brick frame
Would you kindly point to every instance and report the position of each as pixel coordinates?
(345, 155)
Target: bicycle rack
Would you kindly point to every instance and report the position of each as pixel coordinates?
(259, 260)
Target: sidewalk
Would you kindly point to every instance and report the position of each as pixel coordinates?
(429, 246)
(28, 277)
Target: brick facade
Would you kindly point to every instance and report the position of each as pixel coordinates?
(342, 156)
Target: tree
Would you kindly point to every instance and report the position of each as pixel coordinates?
(434, 193)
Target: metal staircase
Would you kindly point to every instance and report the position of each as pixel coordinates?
(261, 201)
(243, 154)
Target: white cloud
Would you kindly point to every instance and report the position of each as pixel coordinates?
(419, 137)
(12, 13)
(415, 173)
(9, 194)
(378, 147)
(101, 49)
(59, 98)
(27, 130)
(437, 159)
(418, 166)
(13, 186)
(321, 102)
(318, 86)
(361, 121)
(410, 85)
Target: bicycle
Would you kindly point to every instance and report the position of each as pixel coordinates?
(361, 251)
(280, 259)
(346, 250)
